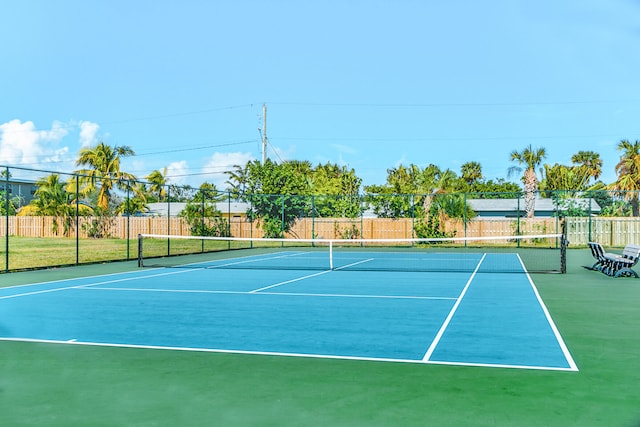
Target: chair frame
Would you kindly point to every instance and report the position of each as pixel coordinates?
(615, 265)
(621, 265)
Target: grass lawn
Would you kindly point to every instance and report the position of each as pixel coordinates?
(31, 252)
(598, 317)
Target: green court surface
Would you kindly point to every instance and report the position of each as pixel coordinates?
(598, 317)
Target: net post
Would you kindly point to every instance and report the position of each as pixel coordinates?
(6, 219)
(331, 254)
(140, 250)
(77, 179)
(564, 242)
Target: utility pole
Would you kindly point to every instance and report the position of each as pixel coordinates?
(264, 133)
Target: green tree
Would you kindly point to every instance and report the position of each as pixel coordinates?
(558, 178)
(103, 172)
(529, 159)
(425, 194)
(202, 214)
(409, 191)
(179, 193)
(396, 198)
(8, 204)
(590, 165)
(336, 191)
(443, 207)
(499, 189)
(157, 183)
(435, 181)
(135, 201)
(586, 166)
(53, 199)
(471, 172)
(275, 191)
(628, 170)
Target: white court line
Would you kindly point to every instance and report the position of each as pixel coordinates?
(444, 326)
(308, 276)
(297, 279)
(75, 278)
(288, 255)
(88, 285)
(137, 277)
(301, 294)
(354, 263)
(267, 353)
(556, 332)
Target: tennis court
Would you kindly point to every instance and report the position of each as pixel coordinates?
(485, 312)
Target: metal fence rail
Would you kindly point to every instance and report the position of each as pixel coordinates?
(76, 234)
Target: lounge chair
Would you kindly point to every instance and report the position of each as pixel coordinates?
(621, 265)
(603, 259)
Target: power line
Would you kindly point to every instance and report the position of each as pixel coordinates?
(469, 138)
(452, 104)
(180, 150)
(35, 158)
(172, 115)
(75, 124)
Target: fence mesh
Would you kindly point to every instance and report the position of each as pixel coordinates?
(52, 218)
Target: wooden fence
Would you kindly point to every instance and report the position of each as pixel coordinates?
(610, 231)
(305, 228)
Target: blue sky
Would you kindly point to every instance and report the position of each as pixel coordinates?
(366, 84)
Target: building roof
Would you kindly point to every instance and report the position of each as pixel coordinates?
(542, 204)
(174, 208)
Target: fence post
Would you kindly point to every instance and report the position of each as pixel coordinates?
(202, 225)
(464, 218)
(413, 216)
(313, 217)
(128, 215)
(557, 210)
(589, 230)
(252, 220)
(282, 220)
(518, 221)
(6, 205)
(229, 218)
(361, 219)
(168, 221)
(78, 220)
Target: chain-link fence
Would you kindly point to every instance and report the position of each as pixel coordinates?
(52, 218)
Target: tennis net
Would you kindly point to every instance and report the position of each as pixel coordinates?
(532, 253)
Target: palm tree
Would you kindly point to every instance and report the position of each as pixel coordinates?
(158, 180)
(471, 172)
(136, 201)
(433, 181)
(628, 170)
(590, 164)
(104, 171)
(529, 158)
(239, 179)
(53, 199)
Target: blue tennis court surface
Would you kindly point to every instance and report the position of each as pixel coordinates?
(459, 317)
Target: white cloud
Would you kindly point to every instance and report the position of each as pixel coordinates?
(341, 148)
(402, 161)
(22, 144)
(176, 172)
(219, 163)
(88, 131)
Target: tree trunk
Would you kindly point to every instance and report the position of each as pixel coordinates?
(530, 188)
